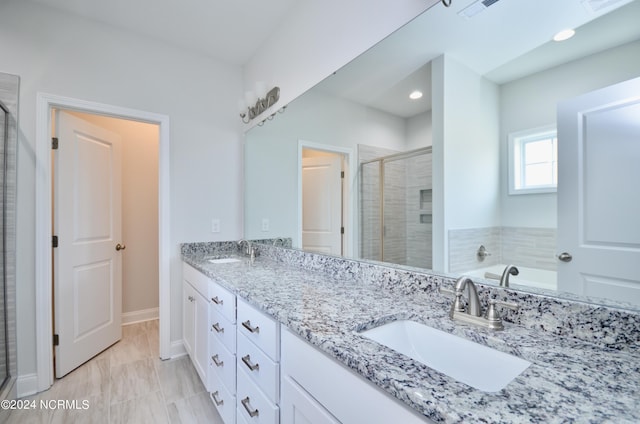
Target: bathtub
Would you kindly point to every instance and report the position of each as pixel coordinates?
(529, 277)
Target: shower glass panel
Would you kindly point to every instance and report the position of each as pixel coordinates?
(395, 200)
(4, 351)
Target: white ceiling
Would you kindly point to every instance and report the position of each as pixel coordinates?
(228, 30)
(493, 44)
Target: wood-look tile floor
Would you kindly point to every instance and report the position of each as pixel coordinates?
(126, 383)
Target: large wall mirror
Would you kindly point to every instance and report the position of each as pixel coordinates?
(461, 178)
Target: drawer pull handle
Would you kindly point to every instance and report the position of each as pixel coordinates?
(191, 298)
(247, 362)
(214, 395)
(247, 325)
(216, 361)
(217, 327)
(217, 301)
(247, 406)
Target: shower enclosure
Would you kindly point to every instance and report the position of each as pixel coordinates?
(396, 208)
(8, 147)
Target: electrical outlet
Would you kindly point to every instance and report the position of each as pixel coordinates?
(265, 224)
(215, 225)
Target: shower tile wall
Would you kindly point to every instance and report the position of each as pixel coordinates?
(530, 247)
(419, 211)
(527, 247)
(370, 240)
(464, 244)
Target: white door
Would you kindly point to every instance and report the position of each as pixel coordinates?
(598, 193)
(322, 204)
(87, 222)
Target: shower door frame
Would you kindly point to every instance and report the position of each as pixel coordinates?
(381, 161)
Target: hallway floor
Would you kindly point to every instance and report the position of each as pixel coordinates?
(126, 383)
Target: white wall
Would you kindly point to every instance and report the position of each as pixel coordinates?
(319, 37)
(271, 154)
(73, 57)
(465, 153)
(530, 102)
(419, 131)
(140, 148)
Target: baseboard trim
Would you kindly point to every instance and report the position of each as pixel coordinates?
(140, 316)
(177, 349)
(26, 385)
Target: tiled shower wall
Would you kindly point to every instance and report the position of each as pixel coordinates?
(407, 222)
(527, 247)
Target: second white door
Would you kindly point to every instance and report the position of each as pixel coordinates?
(598, 197)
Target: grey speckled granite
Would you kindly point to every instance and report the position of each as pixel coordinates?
(586, 363)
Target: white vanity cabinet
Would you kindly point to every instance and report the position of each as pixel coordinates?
(209, 337)
(318, 389)
(258, 366)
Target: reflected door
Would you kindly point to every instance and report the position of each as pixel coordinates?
(322, 204)
(598, 195)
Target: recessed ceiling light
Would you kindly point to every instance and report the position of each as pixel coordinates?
(415, 95)
(565, 34)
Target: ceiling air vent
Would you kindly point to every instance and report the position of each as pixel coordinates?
(598, 6)
(476, 7)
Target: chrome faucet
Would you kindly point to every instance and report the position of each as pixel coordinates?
(247, 246)
(471, 313)
(465, 286)
(509, 270)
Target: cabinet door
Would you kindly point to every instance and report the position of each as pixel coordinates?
(201, 354)
(188, 318)
(298, 407)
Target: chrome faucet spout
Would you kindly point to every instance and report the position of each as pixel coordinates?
(247, 246)
(465, 286)
(509, 270)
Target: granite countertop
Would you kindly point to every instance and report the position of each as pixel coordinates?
(569, 380)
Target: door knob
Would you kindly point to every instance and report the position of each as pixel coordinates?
(565, 257)
(120, 247)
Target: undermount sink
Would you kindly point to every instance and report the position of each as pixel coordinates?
(471, 363)
(223, 260)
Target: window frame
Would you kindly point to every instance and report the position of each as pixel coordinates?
(515, 142)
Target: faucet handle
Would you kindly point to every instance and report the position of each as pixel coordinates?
(442, 290)
(492, 313)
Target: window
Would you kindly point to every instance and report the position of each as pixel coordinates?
(533, 161)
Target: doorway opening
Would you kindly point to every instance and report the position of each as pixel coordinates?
(46, 103)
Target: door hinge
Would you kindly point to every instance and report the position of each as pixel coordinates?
(54, 241)
(54, 143)
(56, 340)
(341, 230)
(341, 174)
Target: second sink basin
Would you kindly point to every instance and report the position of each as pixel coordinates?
(478, 366)
(223, 260)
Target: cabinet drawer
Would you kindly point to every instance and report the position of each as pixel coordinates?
(260, 329)
(253, 405)
(221, 328)
(225, 403)
(222, 301)
(260, 368)
(198, 280)
(222, 366)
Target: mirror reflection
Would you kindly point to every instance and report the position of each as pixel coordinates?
(357, 167)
